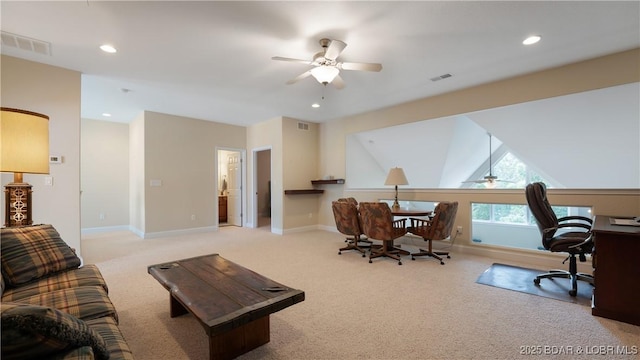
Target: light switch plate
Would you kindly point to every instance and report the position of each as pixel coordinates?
(48, 180)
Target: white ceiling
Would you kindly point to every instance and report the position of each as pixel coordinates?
(212, 60)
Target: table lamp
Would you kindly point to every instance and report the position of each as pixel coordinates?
(396, 177)
(24, 148)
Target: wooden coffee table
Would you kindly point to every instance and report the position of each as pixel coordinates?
(231, 302)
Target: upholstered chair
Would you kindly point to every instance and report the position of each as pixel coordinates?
(438, 227)
(378, 224)
(348, 223)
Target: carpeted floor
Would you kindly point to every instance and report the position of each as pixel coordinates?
(352, 309)
(521, 279)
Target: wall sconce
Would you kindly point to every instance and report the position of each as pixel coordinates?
(396, 177)
(24, 148)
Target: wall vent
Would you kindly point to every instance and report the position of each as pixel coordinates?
(25, 43)
(303, 126)
(443, 76)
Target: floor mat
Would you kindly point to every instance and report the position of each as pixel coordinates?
(521, 279)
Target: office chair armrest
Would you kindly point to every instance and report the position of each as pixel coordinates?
(580, 225)
(576, 217)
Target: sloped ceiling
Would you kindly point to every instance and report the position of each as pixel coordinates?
(585, 140)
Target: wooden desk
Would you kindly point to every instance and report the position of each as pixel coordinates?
(616, 273)
(231, 302)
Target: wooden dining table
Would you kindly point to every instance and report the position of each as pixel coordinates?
(410, 212)
(404, 213)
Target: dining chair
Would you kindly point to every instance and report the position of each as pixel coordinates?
(438, 227)
(378, 224)
(363, 237)
(348, 223)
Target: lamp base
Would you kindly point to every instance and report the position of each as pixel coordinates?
(18, 204)
(395, 206)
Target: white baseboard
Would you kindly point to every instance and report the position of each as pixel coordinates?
(103, 229)
(160, 234)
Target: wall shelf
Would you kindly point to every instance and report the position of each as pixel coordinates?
(303, 191)
(332, 181)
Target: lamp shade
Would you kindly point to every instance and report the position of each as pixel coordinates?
(24, 142)
(396, 177)
(325, 74)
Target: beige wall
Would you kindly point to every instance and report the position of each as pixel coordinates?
(612, 70)
(104, 174)
(54, 92)
(180, 152)
(300, 165)
(261, 136)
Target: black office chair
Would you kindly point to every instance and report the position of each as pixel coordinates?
(577, 242)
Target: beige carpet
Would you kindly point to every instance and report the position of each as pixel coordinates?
(353, 309)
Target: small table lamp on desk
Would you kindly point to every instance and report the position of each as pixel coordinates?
(396, 177)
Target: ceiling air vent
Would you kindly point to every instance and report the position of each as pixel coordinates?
(25, 43)
(303, 126)
(441, 77)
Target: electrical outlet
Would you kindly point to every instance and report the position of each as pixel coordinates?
(310, 215)
(193, 217)
(459, 230)
(101, 216)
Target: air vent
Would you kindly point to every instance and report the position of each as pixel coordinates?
(443, 76)
(303, 126)
(25, 43)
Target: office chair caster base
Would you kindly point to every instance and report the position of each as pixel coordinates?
(364, 255)
(536, 281)
(441, 262)
(573, 292)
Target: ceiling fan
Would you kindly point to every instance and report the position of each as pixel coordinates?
(326, 66)
(490, 181)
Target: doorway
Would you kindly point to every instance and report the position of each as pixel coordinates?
(230, 185)
(262, 186)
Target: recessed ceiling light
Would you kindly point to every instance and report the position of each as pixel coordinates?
(531, 40)
(106, 114)
(108, 48)
(316, 105)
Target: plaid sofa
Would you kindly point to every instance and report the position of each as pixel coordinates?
(52, 306)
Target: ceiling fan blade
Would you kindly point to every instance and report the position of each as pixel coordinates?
(299, 77)
(280, 58)
(360, 66)
(334, 49)
(338, 82)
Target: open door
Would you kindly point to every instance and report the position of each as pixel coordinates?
(234, 195)
(230, 187)
(262, 181)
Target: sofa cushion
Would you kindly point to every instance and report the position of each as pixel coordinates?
(30, 331)
(88, 275)
(83, 302)
(32, 252)
(108, 330)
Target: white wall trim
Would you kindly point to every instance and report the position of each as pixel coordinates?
(103, 229)
(160, 234)
(302, 229)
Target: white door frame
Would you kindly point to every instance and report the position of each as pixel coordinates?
(254, 156)
(243, 182)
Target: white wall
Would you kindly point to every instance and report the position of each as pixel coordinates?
(104, 173)
(54, 92)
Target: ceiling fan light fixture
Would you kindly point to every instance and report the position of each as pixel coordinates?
(325, 74)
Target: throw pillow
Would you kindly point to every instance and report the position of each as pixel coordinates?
(31, 252)
(32, 332)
